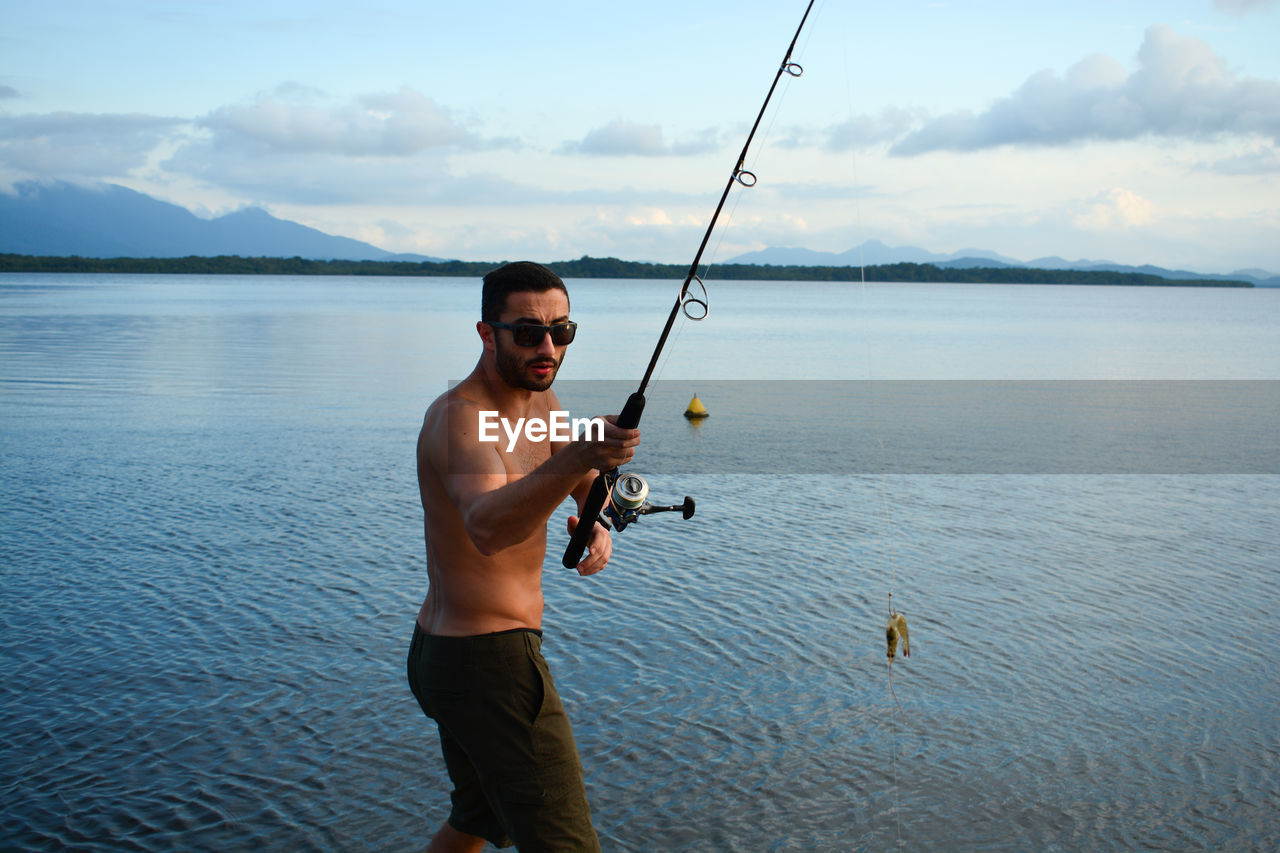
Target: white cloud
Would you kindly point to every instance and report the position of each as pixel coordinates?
(649, 216)
(1243, 7)
(796, 223)
(621, 138)
(296, 119)
(320, 177)
(295, 145)
(863, 131)
(292, 141)
(860, 131)
(1181, 88)
(1117, 208)
(65, 144)
(1259, 161)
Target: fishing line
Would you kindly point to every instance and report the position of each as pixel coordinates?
(731, 217)
(692, 306)
(681, 322)
(768, 131)
(889, 550)
(889, 547)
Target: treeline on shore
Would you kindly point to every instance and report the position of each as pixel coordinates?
(588, 267)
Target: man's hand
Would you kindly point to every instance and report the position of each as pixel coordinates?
(599, 548)
(616, 448)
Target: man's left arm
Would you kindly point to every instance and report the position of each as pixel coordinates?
(600, 543)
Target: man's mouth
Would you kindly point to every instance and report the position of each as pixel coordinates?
(542, 368)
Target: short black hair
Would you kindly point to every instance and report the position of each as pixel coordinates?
(515, 278)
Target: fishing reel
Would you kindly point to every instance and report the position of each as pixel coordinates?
(628, 500)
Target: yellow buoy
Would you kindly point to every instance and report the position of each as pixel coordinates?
(696, 410)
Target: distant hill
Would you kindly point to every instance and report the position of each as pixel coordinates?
(874, 252)
(587, 267)
(111, 221)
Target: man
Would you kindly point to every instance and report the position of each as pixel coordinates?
(475, 664)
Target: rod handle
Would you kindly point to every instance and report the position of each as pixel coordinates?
(629, 418)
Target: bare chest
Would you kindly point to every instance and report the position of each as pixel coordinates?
(525, 457)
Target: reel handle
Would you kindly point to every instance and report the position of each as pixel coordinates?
(628, 419)
(685, 508)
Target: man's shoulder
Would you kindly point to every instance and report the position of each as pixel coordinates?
(448, 430)
(458, 395)
(452, 411)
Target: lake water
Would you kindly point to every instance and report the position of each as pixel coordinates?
(210, 545)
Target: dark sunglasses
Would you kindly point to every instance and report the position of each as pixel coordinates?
(531, 334)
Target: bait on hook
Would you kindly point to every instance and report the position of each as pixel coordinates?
(629, 417)
(896, 630)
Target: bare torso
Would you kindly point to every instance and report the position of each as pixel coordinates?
(472, 592)
(486, 504)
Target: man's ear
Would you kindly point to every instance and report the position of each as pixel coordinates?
(486, 332)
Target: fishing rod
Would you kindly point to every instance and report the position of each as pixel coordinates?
(629, 418)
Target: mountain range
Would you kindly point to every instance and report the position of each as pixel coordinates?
(111, 221)
(874, 252)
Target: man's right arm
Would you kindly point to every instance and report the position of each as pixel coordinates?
(496, 510)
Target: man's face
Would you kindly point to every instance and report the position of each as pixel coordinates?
(531, 368)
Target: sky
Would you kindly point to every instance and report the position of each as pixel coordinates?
(1135, 131)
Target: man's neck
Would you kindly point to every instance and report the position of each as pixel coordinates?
(511, 401)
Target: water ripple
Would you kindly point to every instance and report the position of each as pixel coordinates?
(211, 558)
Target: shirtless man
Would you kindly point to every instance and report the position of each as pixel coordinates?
(475, 664)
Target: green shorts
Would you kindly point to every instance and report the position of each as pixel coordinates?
(507, 744)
